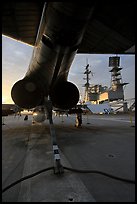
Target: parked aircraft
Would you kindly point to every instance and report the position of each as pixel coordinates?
(65, 28)
(9, 109)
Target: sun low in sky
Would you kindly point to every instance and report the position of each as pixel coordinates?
(16, 57)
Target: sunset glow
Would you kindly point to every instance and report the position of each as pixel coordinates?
(16, 57)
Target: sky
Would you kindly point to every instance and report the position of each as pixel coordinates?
(16, 57)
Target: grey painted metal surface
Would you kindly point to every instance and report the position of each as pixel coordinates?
(105, 143)
(59, 37)
(105, 32)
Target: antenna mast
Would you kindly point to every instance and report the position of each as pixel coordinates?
(87, 85)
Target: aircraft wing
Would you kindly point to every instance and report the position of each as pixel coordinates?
(20, 20)
(8, 109)
(111, 28)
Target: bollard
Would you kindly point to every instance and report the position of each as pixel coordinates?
(131, 122)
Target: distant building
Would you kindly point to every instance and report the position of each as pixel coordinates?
(98, 93)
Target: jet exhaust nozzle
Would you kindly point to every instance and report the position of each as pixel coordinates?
(64, 95)
(26, 94)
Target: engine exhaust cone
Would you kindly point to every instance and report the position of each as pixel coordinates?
(26, 94)
(64, 95)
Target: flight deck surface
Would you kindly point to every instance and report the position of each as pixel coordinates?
(104, 143)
